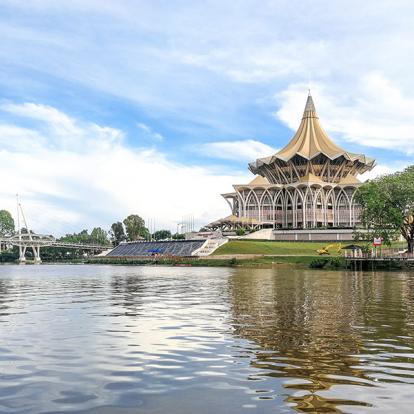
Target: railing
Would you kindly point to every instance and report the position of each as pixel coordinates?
(46, 241)
(379, 254)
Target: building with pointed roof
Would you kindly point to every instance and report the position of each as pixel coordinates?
(308, 184)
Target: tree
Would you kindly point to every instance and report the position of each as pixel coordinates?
(178, 236)
(6, 223)
(135, 227)
(388, 206)
(117, 233)
(81, 237)
(162, 235)
(99, 236)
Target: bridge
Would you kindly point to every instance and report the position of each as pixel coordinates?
(28, 240)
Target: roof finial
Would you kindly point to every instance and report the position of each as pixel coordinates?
(310, 106)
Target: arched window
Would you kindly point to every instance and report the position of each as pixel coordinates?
(342, 209)
(308, 205)
(279, 210)
(289, 209)
(267, 207)
(252, 206)
(299, 197)
(330, 209)
(319, 208)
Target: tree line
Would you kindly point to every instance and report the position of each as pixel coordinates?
(132, 228)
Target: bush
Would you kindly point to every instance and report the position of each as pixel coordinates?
(318, 263)
(240, 232)
(335, 262)
(327, 263)
(8, 256)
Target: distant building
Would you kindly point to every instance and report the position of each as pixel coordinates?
(308, 184)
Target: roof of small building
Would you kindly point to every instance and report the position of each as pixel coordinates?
(350, 179)
(234, 219)
(259, 180)
(310, 178)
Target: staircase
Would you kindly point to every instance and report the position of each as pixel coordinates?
(209, 247)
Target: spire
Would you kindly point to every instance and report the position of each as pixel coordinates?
(310, 141)
(310, 106)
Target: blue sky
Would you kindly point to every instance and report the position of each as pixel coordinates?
(156, 107)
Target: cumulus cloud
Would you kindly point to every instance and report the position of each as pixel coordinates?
(245, 150)
(67, 187)
(377, 114)
(381, 169)
(54, 129)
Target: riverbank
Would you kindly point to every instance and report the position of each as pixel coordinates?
(211, 261)
(244, 253)
(252, 253)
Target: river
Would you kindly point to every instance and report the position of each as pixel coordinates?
(114, 339)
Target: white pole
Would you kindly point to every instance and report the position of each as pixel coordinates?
(18, 228)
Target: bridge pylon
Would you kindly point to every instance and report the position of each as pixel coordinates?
(30, 240)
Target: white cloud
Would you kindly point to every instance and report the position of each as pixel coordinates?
(67, 188)
(61, 131)
(379, 170)
(165, 58)
(377, 114)
(262, 63)
(149, 132)
(245, 150)
(16, 138)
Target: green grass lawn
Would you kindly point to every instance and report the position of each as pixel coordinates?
(271, 247)
(281, 248)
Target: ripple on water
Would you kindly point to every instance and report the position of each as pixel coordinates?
(103, 339)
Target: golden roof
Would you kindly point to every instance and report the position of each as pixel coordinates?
(259, 180)
(310, 178)
(234, 219)
(350, 179)
(311, 140)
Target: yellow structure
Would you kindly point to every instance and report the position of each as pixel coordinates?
(327, 249)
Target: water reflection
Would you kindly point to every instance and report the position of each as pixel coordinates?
(324, 331)
(121, 340)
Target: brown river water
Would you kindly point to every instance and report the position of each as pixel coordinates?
(113, 339)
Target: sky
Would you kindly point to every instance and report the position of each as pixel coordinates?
(110, 108)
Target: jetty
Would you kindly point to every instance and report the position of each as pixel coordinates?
(379, 257)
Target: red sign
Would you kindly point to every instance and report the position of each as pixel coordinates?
(377, 241)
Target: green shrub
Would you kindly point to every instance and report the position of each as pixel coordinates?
(335, 262)
(318, 263)
(327, 263)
